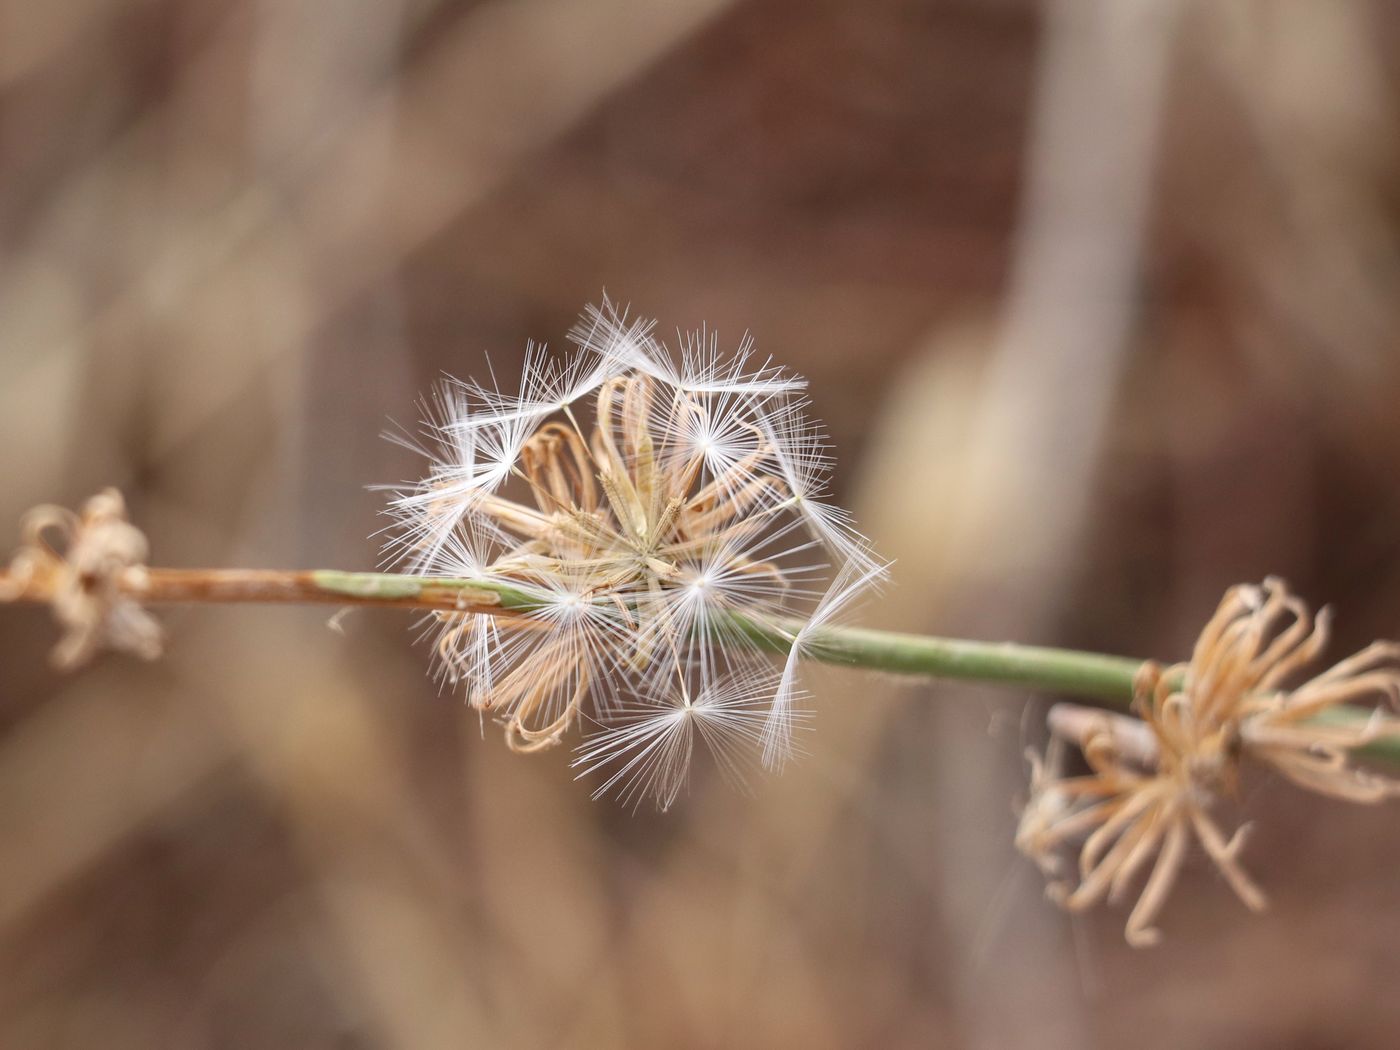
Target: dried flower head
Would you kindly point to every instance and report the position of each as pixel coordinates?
(1127, 817)
(1148, 795)
(1307, 733)
(649, 504)
(78, 560)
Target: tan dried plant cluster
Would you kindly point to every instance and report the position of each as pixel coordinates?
(1148, 797)
(79, 560)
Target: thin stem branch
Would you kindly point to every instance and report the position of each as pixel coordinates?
(1107, 679)
(1092, 675)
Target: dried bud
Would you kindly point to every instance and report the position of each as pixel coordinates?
(80, 562)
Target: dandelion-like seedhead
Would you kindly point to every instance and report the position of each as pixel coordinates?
(653, 506)
(1148, 795)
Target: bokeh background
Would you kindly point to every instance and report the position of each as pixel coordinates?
(1098, 299)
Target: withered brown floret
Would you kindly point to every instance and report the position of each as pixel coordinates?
(1149, 794)
(79, 561)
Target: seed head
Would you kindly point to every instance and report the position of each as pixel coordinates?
(651, 505)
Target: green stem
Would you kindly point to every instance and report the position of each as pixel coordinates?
(1104, 678)
(1093, 676)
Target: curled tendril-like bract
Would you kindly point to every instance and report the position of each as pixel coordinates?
(1148, 795)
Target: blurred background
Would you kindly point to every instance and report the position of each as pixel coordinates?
(1098, 299)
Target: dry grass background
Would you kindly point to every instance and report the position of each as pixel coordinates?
(1099, 301)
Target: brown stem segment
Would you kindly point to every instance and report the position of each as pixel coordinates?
(301, 587)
